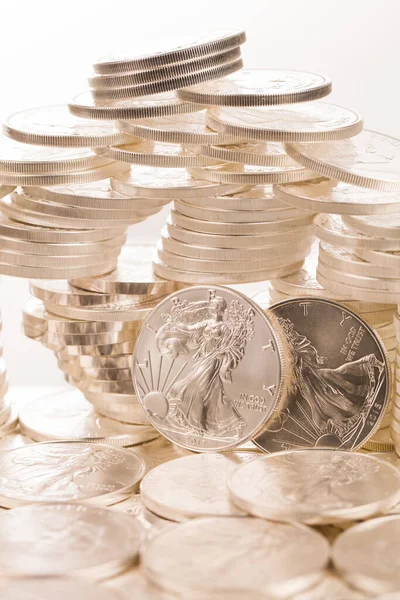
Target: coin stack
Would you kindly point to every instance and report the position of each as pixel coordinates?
(91, 324)
(250, 235)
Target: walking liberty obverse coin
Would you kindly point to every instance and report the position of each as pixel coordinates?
(315, 486)
(68, 472)
(340, 378)
(216, 554)
(57, 539)
(208, 368)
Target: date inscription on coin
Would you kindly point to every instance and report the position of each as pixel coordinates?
(339, 385)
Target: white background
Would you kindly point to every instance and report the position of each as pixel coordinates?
(47, 47)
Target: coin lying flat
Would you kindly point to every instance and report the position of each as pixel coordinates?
(55, 235)
(174, 83)
(340, 258)
(68, 416)
(62, 178)
(175, 356)
(133, 276)
(62, 293)
(370, 160)
(25, 159)
(376, 257)
(116, 315)
(194, 277)
(55, 126)
(192, 486)
(197, 238)
(56, 539)
(387, 226)
(341, 380)
(121, 407)
(68, 471)
(159, 105)
(188, 128)
(269, 154)
(156, 55)
(370, 283)
(331, 229)
(313, 121)
(166, 183)
(94, 195)
(47, 589)
(163, 73)
(315, 486)
(250, 174)
(329, 196)
(225, 550)
(259, 87)
(135, 580)
(156, 154)
(366, 555)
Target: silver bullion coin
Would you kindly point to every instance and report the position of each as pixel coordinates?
(215, 554)
(192, 486)
(164, 73)
(68, 471)
(159, 105)
(56, 539)
(208, 368)
(367, 555)
(55, 126)
(157, 54)
(46, 588)
(333, 587)
(259, 87)
(132, 276)
(340, 384)
(68, 416)
(315, 486)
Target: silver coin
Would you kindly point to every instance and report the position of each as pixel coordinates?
(56, 539)
(176, 129)
(68, 416)
(292, 556)
(370, 160)
(259, 87)
(56, 126)
(306, 122)
(333, 587)
(340, 378)
(329, 196)
(366, 555)
(158, 105)
(31, 588)
(204, 492)
(219, 343)
(156, 54)
(121, 407)
(315, 486)
(163, 73)
(133, 275)
(68, 471)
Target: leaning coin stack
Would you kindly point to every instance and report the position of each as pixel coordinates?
(250, 235)
(91, 324)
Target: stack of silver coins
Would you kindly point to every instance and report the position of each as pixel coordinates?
(248, 235)
(91, 324)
